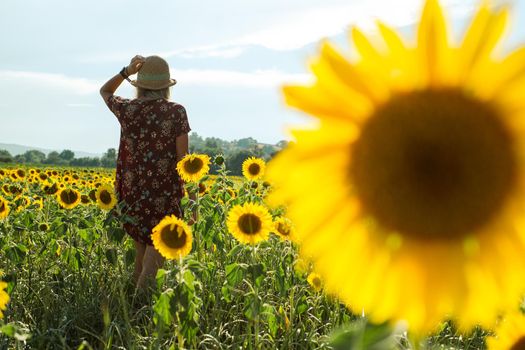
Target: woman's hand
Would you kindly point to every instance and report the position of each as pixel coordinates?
(135, 64)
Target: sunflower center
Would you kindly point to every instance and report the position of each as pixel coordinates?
(68, 196)
(254, 169)
(519, 345)
(434, 164)
(105, 197)
(2, 206)
(283, 229)
(193, 166)
(173, 238)
(250, 224)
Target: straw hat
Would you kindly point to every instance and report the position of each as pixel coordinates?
(154, 74)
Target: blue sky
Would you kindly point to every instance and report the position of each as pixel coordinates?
(229, 57)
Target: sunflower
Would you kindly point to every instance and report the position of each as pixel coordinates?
(284, 228)
(172, 238)
(51, 188)
(84, 199)
(420, 216)
(22, 203)
(314, 279)
(253, 168)
(38, 202)
(4, 298)
(203, 189)
(5, 189)
(510, 333)
(20, 173)
(68, 198)
(93, 195)
(106, 198)
(193, 167)
(4, 208)
(249, 223)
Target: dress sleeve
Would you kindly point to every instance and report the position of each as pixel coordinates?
(117, 105)
(183, 127)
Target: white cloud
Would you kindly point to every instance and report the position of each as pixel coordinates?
(210, 51)
(295, 30)
(226, 78)
(77, 86)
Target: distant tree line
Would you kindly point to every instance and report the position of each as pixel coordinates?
(234, 153)
(64, 158)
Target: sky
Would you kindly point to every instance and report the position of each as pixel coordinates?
(230, 58)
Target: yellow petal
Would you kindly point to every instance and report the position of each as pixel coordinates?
(325, 103)
(433, 45)
(478, 46)
(403, 75)
(349, 75)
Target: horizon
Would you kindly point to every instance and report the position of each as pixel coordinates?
(229, 67)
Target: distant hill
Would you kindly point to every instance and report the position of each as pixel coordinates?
(20, 149)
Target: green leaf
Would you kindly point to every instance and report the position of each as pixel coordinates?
(362, 335)
(129, 257)
(9, 330)
(252, 307)
(226, 293)
(111, 255)
(301, 308)
(271, 319)
(162, 308)
(160, 277)
(189, 280)
(116, 234)
(86, 235)
(235, 273)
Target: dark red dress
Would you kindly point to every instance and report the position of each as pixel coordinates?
(147, 179)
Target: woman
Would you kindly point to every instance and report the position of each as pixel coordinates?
(153, 138)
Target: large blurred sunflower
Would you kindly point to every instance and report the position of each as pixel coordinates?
(68, 198)
(4, 208)
(193, 167)
(249, 223)
(4, 298)
(510, 333)
(106, 198)
(172, 237)
(253, 168)
(420, 154)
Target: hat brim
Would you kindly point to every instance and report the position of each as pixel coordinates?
(153, 85)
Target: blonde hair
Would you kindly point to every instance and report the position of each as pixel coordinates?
(162, 93)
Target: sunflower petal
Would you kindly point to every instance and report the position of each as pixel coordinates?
(319, 102)
(433, 44)
(402, 74)
(338, 68)
(479, 43)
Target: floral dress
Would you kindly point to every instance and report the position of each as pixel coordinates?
(147, 179)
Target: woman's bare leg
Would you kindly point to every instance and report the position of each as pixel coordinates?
(140, 249)
(150, 264)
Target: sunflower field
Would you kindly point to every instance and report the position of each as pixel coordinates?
(238, 282)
